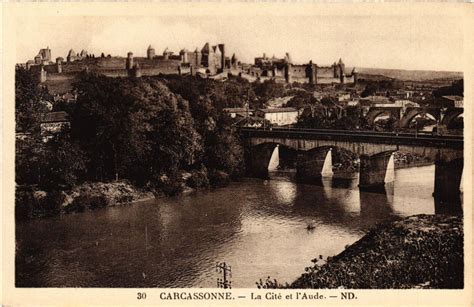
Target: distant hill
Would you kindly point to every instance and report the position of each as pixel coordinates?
(411, 75)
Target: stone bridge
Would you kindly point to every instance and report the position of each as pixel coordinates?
(404, 115)
(373, 148)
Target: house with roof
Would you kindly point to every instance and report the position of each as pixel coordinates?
(54, 122)
(234, 112)
(279, 116)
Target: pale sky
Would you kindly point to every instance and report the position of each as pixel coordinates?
(399, 42)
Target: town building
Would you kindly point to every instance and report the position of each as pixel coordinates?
(53, 123)
(279, 116)
(235, 112)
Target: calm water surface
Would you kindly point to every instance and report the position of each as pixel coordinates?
(258, 227)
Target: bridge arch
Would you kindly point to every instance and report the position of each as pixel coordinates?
(411, 113)
(376, 112)
(450, 116)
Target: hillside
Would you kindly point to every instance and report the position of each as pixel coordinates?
(413, 75)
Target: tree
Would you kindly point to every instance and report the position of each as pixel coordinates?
(268, 89)
(223, 149)
(133, 128)
(62, 163)
(456, 88)
(28, 106)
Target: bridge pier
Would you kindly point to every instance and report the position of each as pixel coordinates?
(309, 164)
(447, 182)
(373, 170)
(258, 158)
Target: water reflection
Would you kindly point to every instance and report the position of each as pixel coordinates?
(257, 226)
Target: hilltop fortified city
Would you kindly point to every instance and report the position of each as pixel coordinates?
(209, 61)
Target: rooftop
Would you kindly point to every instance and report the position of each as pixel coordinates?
(55, 117)
(454, 97)
(278, 110)
(231, 110)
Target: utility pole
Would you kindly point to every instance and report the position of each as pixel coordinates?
(226, 271)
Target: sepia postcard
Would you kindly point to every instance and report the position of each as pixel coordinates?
(237, 153)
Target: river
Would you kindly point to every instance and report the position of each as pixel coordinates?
(256, 226)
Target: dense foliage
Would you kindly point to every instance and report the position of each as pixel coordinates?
(28, 101)
(327, 116)
(424, 251)
(456, 88)
(134, 129)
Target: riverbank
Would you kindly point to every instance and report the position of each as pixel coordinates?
(32, 202)
(421, 251)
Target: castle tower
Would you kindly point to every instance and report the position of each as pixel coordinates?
(38, 59)
(43, 75)
(129, 64)
(150, 52)
(166, 54)
(47, 54)
(233, 61)
(184, 55)
(44, 56)
(222, 49)
(355, 74)
(288, 72)
(342, 68)
(216, 59)
(59, 64)
(71, 56)
(197, 56)
(83, 54)
(137, 72)
(311, 73)
(207, 55)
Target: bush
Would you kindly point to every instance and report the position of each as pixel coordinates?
(198, 179)
(218, 178)
(170, 185)
(28, 205)
(24, 203)
(51, 204)
(123, 198)
(83, 202)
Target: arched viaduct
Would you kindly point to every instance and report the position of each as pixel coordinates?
(374, 150)
(404, 116)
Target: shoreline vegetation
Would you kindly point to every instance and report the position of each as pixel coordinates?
(416, 252)
(33, 202)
